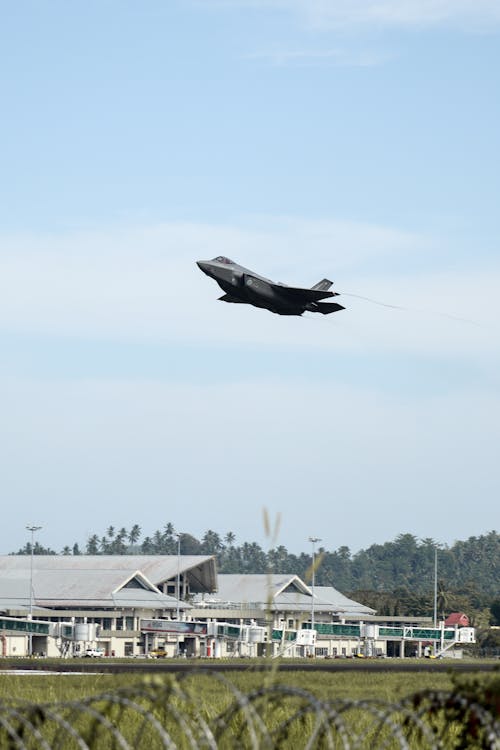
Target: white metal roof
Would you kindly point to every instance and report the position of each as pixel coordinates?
(200, 570)
(329, 598)
(253, 588)
(287, 592)
(104, 581)
(100, 581)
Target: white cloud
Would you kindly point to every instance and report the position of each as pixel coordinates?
(400, 12)
(326, 14)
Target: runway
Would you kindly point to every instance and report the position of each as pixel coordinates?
(165, 666)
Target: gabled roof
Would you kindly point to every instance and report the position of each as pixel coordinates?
(282, 592)
(200, 570)
(79, 581)
(331, 600)
(255, 589)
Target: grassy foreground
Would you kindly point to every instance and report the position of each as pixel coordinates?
(273, 709)
(352, 685)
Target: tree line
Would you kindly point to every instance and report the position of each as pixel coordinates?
(395, 578)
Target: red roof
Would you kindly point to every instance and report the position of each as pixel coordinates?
(457, 618)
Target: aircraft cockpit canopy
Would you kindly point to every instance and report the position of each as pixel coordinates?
(222, 259)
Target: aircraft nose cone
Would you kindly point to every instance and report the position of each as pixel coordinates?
(202, 265)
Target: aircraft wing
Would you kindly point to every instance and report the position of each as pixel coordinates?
(230, 298)
(296, 294)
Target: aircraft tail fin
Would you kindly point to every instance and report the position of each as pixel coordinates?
(323, 285)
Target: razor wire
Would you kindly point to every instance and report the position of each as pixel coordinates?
(169, 713)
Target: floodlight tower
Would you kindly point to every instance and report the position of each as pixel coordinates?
(435, 584)
(313, 540)
(178, 587)
(31, 529)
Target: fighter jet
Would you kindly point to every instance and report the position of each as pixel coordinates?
(246, 287)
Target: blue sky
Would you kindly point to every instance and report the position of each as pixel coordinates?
(305, 138)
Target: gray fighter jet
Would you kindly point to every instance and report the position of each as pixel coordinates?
(246, 287)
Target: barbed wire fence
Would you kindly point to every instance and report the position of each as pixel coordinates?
(169, 714)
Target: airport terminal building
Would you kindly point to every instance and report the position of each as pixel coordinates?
(96, 600)
(134, 605)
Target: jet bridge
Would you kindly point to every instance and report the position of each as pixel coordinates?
(441, 638)
(366, 634)
(61, 632)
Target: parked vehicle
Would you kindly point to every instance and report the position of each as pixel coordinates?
(158, 653)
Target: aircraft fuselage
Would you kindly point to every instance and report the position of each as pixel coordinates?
(247, 287)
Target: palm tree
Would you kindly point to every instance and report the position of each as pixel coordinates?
(158, 543)
(123, 533)
(230, 539)
(134, 534)
(169, 529)
(169, 539)
(92, 547)
(211, 543)
(104, 545)
(254, 559)
(147, 547)
(118, 546)
(278, 559)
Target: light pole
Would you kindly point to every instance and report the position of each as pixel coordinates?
(178, 587)
(435, 584)
(178, 573)
(313, 540)
(32, 529)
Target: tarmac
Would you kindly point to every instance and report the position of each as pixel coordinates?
(162, 666)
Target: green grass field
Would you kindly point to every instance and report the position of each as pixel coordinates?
(219, 702)
(355, 684)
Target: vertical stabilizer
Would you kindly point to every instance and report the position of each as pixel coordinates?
(323, 285)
